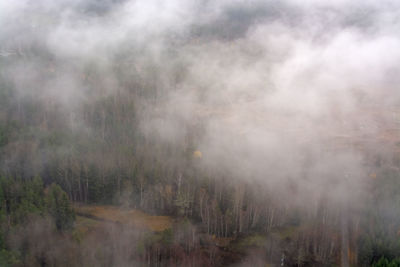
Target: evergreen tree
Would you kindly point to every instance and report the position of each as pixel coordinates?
(59, 207)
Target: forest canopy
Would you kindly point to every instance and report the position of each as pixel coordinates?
(199, 133)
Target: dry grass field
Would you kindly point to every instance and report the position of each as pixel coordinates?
(131, 217)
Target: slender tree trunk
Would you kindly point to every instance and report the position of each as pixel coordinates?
(344, 251)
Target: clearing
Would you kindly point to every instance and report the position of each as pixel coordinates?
(132, 217)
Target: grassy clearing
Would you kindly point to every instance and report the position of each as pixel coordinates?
(131, 217)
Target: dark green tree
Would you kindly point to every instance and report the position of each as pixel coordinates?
(59, 207)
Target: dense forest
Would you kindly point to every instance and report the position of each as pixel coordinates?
(136, 133)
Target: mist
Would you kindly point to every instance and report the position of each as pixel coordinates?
(299, 99)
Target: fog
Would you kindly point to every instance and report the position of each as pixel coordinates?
(281, 94)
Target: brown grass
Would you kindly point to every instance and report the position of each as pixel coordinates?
(131, 217)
